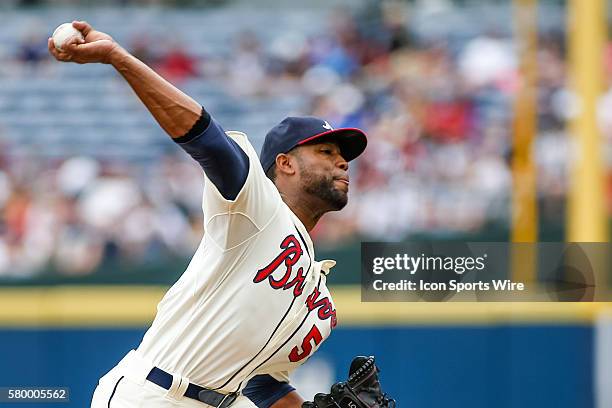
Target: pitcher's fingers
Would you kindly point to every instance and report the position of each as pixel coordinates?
(50, 45)
(76, 40)
(52, 50)
(62, 55)
(82, 26)
(71, 44)
(71, 47)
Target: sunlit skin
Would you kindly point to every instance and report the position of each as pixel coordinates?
(312, 180)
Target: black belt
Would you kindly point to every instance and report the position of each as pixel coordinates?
(193, 391)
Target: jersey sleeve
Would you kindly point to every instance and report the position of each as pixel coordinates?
(223, 161)
(231, 222)
(265, 390)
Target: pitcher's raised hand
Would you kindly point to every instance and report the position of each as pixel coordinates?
(95, 47)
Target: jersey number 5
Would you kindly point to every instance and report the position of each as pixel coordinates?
(313, 334)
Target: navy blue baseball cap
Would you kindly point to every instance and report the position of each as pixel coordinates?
(295, 131)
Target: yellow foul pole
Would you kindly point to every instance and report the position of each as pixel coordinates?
(586, 215)
(524, 205)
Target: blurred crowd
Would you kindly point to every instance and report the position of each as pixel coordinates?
(438, 112)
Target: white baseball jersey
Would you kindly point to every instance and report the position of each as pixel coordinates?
(253, 300)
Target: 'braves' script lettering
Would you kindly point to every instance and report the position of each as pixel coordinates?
(290, 255)
(326, 309)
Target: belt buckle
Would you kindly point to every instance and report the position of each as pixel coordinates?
(228, 400)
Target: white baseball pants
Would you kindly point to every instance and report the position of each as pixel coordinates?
(125, 386)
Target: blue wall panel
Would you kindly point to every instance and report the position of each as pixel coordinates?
(73, 358)
(423, 367)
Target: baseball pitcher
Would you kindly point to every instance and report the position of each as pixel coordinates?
(253, 303)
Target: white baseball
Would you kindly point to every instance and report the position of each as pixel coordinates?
(64, 34)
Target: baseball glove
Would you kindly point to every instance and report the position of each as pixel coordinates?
(361, 390)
